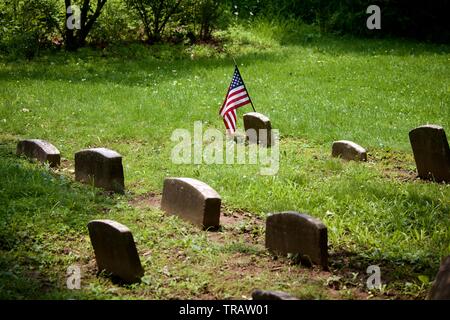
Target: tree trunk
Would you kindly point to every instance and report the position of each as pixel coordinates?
(71, 44)
(77, 40)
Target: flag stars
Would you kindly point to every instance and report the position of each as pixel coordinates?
(236, 81)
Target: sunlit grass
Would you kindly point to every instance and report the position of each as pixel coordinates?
(315, 88)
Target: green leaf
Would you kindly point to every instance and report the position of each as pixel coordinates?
(424, 279)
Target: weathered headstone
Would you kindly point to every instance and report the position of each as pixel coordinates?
(101, 166)
(262, 127)
(271, 295)
(41, 150)
(296, 233)
(348, 150)
(192, 200)
(441, 286)
(115, 250)
(431, 152)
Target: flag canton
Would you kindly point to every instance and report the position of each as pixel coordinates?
(237, 81)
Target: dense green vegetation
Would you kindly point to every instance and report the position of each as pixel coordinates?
(30, 26)
(316, 88)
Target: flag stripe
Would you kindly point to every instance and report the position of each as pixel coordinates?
(232, 103)
(236, 97)
(232, 117)
(237, 104)
(229, 123)
(235, 89)
(238, 93)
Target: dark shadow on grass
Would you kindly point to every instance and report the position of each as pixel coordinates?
(413, 199)
(20, 281)
(308, 36)
(345, 45)
(396, 273)
(116, 280)
(125, 65)
(214, 229)
(412, 212)
(38, 210)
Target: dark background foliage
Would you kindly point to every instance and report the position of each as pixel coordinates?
(423, 20)
(28, 26)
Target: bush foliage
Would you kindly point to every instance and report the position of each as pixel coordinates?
(28, 26)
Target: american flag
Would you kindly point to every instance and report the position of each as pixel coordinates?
(237, 96)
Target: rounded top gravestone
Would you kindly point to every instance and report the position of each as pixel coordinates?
(297, 233)
(41, 150)
(115, 250)
(99, 154)
(101, 166)
(348, 150)
(192, 200)
(258, 129)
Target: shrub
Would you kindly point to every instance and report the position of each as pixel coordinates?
(154, 15)
(116, 23)
(27, 26)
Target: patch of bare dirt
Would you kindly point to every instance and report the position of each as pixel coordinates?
(400, 174)
(241, 263)
(146, 201)
(65, 167)
(238, 224)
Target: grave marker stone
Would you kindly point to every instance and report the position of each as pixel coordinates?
(101, 166)
(262, 126)
(115, 250)
(192, 200)
(296, 233)
(41, 150)
(271, 295)
(348, 150)
(431, 152)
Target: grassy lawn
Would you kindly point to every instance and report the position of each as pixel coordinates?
(315, 89)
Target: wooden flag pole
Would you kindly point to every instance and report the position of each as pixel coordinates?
(249, 98)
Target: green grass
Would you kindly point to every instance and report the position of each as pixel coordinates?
(315, 89)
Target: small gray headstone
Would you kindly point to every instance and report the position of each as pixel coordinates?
(101, 166)
(348, 150)
(115, 250)
(296, 233)
(192, 200)
(262, 127)
(431, 152)
(441, 286)
(41, 150)
(271, 295)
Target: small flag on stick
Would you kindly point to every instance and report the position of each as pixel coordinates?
(237, 96)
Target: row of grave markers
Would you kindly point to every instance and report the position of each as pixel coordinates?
(430, 148)
(286, 233)
(429, 144)
(100, 166)
(195, 201)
